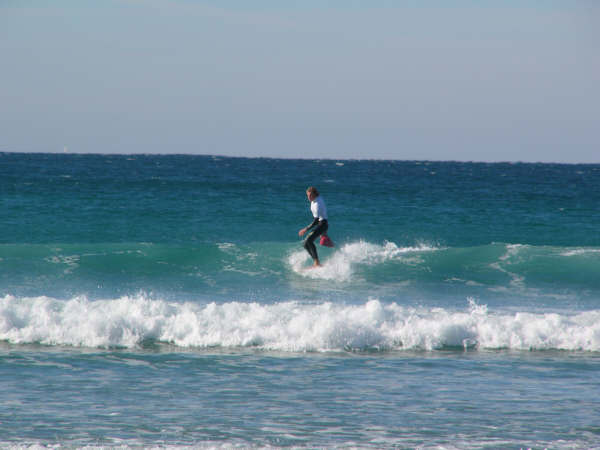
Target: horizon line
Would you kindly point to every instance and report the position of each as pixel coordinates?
(297, 158)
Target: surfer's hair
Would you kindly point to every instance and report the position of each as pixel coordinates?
(313, 190)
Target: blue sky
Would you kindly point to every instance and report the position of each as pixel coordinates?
(437, 80)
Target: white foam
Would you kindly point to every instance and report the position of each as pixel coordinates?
(580, 251)
(339, 266)
(288, 326)
(512, 250)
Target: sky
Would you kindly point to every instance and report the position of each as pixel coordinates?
(458, 80)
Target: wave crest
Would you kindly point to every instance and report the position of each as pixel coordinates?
(288, 326)
(339, 266)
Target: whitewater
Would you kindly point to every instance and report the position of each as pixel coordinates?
(133, 322)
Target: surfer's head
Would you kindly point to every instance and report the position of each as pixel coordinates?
(312, 193)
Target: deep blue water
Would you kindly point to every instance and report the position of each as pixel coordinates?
(163, 300)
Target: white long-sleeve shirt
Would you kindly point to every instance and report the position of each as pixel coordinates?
(318, 208)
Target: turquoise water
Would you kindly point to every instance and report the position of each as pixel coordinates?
(164, 300)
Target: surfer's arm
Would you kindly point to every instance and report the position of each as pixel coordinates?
(305, 229)
(314, 222)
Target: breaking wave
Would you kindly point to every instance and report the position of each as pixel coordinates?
(130, 322)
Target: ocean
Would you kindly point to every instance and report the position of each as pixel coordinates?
(165, 301)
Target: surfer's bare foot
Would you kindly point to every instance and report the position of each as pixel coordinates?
(314, 266)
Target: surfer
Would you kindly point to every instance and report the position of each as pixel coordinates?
(318, 226)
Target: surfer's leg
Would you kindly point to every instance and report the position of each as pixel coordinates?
(309, 243)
